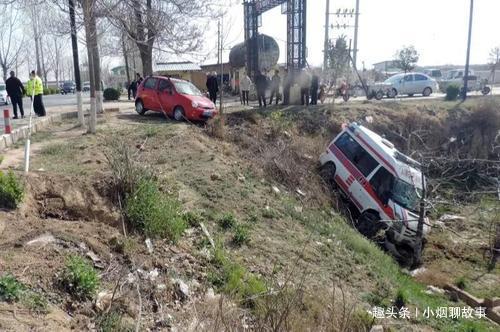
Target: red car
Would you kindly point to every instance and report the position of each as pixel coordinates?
(176, 98)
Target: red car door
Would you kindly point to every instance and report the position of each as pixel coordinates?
(166, 93)
(149, 94)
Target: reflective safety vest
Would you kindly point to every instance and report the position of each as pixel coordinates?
(35, 83)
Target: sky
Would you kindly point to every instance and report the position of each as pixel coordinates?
(437, 28)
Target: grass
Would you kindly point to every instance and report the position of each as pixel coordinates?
(232, 278)
(192, 218)
(227, 221)
(11, 190)
(112, 322)
(58, 149)
(154, 213)
(80, 278)
(10, 289)
(241, 235)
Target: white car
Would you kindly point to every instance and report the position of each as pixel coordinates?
(4, 98)
(411, 84)
(385, 186)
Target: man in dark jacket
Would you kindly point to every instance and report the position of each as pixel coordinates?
(261, 87)
(314, 88)
(15, 90)
(212, 86)
(132, 90)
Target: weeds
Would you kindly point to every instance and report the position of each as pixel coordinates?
(58, 150)
(241, 235)
(79, 278)
(112, 322)
(10, 289)
(193, 219)
(232, 278)
(11, 191)
(154, 213)
(227, 221)
(461, 282)
(35, 302)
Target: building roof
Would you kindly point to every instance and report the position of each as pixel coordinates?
(176, 66)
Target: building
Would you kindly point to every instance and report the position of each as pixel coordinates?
(387, 67)
(183, 70)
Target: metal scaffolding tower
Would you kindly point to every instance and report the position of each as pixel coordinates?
(296, 31)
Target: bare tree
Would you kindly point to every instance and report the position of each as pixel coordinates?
(173, 25)
(11, 41)
(494, 61)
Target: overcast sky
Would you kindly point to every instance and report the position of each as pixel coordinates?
(437, 29)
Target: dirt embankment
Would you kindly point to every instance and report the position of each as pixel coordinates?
(264, 173)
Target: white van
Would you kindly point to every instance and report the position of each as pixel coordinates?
(384, 185)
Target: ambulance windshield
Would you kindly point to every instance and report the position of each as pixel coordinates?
(406, 195)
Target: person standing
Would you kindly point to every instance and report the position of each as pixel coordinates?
(314, 88)
(138, 80)
(287, 83)
(275, 87)
(212, 87)
(261, 87)
(132, 89)
(245, 84)
(305, 87)
(15, 90)
(35, 88)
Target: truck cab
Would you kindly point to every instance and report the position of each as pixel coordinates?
(382, 183)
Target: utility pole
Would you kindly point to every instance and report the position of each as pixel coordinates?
(327, 35)
(466, 74)
(356, 26)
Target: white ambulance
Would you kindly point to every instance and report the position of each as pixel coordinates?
(384, 184)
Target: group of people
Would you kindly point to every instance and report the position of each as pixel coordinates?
(16, 91)
(134, 85)
(309, 83)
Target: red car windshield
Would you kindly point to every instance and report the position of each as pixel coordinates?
(187, 88)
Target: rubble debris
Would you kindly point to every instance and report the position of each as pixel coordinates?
(149, 245)
(300, 192)
(450, 217)
(434, 290)
(276, 190)
(207, 234)
(42, 240)
(181, 289)
(95, 259)
(103, 300)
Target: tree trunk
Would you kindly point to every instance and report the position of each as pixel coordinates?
(76, 62)
(146, 54)
(125, 56)
(34, 21)
(4, 72)
(90, 39)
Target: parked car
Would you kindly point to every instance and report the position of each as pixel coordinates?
(86, 87)
(68, 87)
(474, 83)
(174, 97)
(382, 183)
(411, 84)
(4, 98)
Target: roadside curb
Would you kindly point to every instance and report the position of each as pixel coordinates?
(8, 140)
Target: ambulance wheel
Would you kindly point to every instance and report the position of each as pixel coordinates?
(327, 173)
(369, 224)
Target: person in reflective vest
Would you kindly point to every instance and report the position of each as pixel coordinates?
(34, 89)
